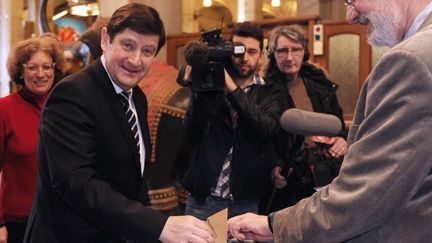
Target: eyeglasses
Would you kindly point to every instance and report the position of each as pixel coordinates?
(360, 19)
(349, 3)
(33, 68)
(283, 52)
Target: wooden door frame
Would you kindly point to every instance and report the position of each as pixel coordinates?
(333, 28)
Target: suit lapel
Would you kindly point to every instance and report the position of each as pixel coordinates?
(113, 101)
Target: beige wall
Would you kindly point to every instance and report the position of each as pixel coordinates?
(107, 7)
(12, 30)
(332, 9)
(170, 13)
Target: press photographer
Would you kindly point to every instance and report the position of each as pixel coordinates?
(231, 129)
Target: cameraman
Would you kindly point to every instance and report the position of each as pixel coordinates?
(231, 130)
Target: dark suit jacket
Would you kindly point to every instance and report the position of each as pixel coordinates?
(89, 182)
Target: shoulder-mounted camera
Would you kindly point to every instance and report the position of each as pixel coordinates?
(208, 57)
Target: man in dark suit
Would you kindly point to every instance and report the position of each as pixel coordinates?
(94, 147)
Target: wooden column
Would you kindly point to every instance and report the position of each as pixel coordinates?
(252, 9)
(189, 25)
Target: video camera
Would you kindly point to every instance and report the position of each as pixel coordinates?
(208, 57)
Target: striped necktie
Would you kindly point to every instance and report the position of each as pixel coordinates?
(125, 101)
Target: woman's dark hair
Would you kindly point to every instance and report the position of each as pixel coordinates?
(24, 50)
(139, 18)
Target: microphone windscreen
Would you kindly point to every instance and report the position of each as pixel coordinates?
(195, 52)
(309, 123)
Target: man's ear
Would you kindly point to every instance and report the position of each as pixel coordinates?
(105, 39)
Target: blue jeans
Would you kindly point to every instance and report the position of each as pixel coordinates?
(214, 204)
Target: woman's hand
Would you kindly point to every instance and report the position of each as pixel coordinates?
(278, 179)
(338, 145)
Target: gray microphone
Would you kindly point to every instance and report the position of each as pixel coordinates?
(309, 123)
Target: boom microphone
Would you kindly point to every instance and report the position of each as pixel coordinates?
(308, 123)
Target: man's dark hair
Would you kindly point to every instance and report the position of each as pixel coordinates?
(248, 29)
(139, 18)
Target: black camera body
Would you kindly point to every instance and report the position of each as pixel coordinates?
(312, 168)
(219, 49)
(208, 58)
(208, 77)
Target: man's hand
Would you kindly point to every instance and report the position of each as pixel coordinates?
(187, 74)
(230, 85)
(250, 226)
(3, 234)
(179, 229)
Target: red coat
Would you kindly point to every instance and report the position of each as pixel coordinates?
(19, 122)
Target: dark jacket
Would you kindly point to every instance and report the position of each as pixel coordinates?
(90, 181)
(292, 157)
(322, 95)
(209, 126)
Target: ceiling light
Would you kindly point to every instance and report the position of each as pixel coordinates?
(207, 3)
(275, 3)
(84, 10)
(59, 15)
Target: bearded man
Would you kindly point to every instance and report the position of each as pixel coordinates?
(384, 190)
(232, 130)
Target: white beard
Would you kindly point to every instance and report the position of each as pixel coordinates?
(383, 25)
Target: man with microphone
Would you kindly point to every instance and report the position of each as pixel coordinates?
(384, 190)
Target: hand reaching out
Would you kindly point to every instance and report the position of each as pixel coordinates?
(182, 229)
(250, 226)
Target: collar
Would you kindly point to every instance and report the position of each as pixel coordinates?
(257, 80)
(32, 98)
(117, 88)
(421, 17)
